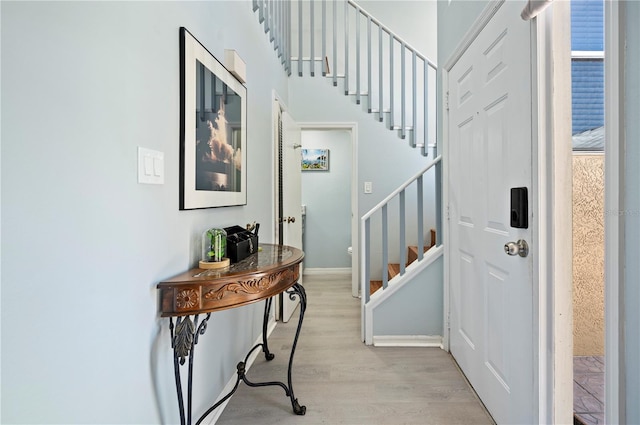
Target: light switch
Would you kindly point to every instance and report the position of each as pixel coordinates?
(150, 166)
(158, 166)
(368, 187)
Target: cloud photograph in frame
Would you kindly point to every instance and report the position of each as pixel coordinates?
(213, 130)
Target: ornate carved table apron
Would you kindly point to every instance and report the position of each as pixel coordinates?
(271, 271)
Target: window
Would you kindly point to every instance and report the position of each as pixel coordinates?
(587, 74)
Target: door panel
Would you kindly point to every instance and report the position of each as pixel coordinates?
(491, 293)
(291, 198)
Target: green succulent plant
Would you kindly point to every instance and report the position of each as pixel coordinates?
(217, 244)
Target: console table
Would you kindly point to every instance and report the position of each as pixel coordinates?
(272, 270)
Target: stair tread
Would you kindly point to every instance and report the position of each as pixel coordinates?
(394, 270)
(374, 285)
(415, 248)
(412, 254)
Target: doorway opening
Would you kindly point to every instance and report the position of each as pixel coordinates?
(588, 142)
(330, 199)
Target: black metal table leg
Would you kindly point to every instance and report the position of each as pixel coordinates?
(296, 290)
(184, 337)
(265, 320)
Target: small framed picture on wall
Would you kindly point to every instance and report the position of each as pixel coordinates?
(315, 160)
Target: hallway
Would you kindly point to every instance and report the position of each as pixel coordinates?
(342, 381)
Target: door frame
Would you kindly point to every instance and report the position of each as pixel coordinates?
(276, 99)
(352, 127)
(614, 35)
(276, 103)
(551, 203)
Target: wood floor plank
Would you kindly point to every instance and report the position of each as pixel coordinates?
(343, 381)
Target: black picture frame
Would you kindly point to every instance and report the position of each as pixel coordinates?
(213, 136)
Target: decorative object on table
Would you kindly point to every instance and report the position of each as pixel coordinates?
(315, 160)
(214, 249)
(213, 136)
(241, 242)
(189, 299)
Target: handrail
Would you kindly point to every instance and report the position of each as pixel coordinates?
(401, 188)
(391, 33)
(412, 96)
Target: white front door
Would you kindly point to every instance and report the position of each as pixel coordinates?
(291, 193)
(491, 293)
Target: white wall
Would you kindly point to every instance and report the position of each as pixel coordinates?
(415, 21)
(327, 196)
(83, 244)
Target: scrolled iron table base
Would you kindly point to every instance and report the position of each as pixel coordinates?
(195, 295)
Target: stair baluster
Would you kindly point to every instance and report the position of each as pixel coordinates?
(385, 245)
(276, 17)
(324, 35)
(380, 74)
(312, 27)
(391, 94)
(420, 215)
(403, 233)
(357, 55)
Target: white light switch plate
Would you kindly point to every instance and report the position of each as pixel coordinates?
(368, 187)
(150, 166)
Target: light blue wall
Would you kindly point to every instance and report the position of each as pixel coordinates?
(327, 196)
(631, 289)
(383, 158)
(455, 17)
(83, 244)
(416, 309)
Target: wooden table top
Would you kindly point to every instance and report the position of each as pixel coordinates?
(268, 272)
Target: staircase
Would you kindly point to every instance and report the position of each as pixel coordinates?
(390, 80)
(381, 71)
(393, 269)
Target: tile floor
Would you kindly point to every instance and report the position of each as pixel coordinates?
(588, 390)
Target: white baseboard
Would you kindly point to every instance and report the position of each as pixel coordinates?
(321, 271)
(232, 382)
(407, 341)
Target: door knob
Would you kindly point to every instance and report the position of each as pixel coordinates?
(291, 219)
(520, 248)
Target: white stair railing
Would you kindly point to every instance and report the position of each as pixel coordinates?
(415, 217)
(352, 46)
(275, 15)
(398, 84)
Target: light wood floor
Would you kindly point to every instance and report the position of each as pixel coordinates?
(343, 381)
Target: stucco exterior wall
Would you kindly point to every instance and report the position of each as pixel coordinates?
(588, 255)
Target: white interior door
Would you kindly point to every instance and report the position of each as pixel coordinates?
(291, 194)
(491, 293)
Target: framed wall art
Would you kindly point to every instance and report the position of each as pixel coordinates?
(213, 136)
(315, 160)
